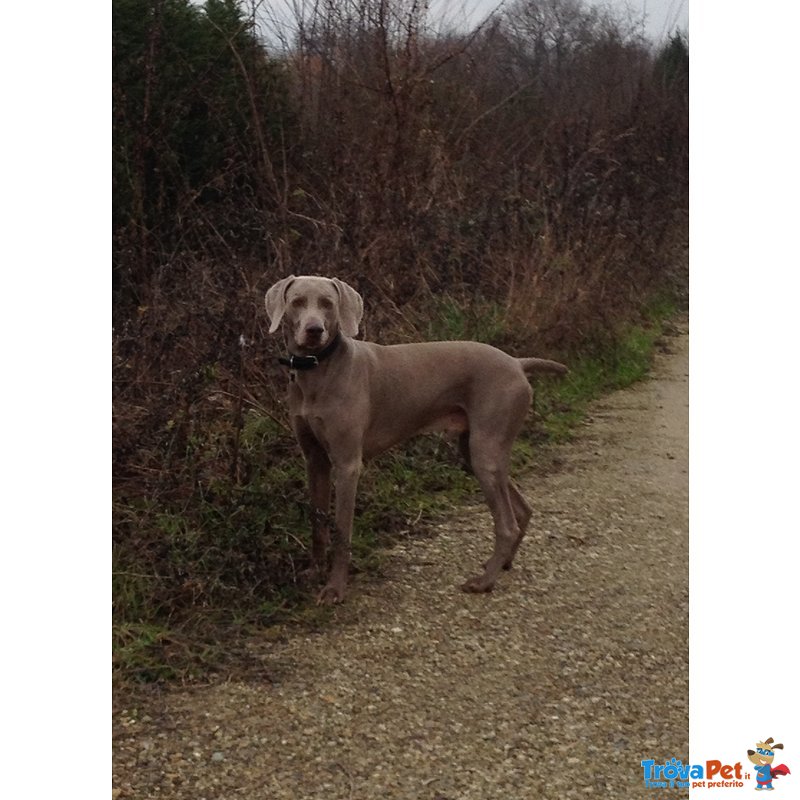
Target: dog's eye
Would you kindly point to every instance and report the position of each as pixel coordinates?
(298, 302)
(325, 303)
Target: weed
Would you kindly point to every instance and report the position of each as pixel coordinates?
(618, 363)
(474, 319)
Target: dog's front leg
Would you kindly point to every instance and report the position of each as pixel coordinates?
(318, 469)
(347, 474)
(319, 485)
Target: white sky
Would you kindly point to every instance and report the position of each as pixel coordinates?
(664, 16)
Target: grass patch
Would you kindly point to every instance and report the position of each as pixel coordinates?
(188, 576)
(473, 319)
(618, 363)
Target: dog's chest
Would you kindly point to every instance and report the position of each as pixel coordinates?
(307, 402)
(314, 408)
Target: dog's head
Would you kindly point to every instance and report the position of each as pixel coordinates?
(764, 752)
(313, 310)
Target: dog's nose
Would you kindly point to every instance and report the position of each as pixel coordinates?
(314, 330)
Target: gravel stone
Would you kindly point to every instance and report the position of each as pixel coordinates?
(557, 684)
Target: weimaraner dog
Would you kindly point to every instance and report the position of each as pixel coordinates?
(350, 400)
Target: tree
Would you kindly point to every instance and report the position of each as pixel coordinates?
(198, 109)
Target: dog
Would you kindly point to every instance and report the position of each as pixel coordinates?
(350, 400)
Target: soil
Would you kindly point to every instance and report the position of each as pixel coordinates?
(556, 685)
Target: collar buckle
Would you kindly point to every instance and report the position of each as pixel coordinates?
(309, 362)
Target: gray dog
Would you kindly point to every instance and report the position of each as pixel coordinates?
(350, 400)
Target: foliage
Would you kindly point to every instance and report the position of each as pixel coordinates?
(198, 107)
(672, 62)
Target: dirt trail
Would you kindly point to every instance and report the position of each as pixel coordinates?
(555, 685)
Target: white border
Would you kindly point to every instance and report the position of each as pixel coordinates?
(56, 400)
(745, 434)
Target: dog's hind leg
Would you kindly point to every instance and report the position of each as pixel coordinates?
(489, 458)
(522, 513)
(519, 505)
(494, 423)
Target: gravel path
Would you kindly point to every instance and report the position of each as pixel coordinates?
(555, 685)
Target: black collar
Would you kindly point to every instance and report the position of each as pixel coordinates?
(309, 362)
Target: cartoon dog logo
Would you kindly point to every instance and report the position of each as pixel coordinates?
(762, 757)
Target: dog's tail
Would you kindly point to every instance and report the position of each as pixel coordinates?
(531, 366)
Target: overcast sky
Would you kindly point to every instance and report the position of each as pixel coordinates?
(663, 16)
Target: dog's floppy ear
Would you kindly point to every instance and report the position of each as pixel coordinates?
(351, 307)
(275, 301)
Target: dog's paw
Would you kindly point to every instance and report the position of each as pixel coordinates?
(478, 584)
(330, 595)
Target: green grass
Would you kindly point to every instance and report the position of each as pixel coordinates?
(617, 364)
(476, 320)
(140, 647)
